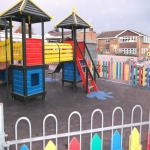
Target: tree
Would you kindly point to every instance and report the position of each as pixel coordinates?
(19, 29)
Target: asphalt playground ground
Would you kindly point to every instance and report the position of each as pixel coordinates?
(61, 101)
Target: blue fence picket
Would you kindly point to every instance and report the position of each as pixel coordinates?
(116, 141)
(147, 76)
(24, 147)
(132, 75)
(103, 68)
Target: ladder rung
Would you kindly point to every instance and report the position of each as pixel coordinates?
(91, 86)
(89, 79)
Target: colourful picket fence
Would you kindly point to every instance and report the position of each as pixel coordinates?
(96, 140)
(114, 70)
(140, 76)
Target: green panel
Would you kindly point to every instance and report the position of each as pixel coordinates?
(120, 71)
(136, 75)
(96, 143)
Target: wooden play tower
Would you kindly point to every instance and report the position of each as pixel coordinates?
(28, 80)
(77, 70)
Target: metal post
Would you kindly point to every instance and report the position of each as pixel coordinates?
(87, 69)
(6, 37)
(75, 57)
(24, 41)
(72, 33)
(29, 30)
(11, 41)
(2, 138)
(84, 40)
(43, 55)
(62, 34)
(24, 55)
(111, 68)
(129, 70)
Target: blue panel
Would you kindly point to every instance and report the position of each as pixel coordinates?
(3, 75)
(18, 81)
(69, 72)
(147, 77)
(132, 75)
(34, 81)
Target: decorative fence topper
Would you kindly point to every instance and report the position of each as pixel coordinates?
(96, 134)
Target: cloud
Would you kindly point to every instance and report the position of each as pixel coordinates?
(107, 10)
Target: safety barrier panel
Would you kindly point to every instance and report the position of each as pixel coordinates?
(54, 52)
(4, 45)
(76, 142)
(58, 52)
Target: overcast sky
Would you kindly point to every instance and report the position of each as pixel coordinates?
(104, 15)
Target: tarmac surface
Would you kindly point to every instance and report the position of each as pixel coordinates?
(61, 101)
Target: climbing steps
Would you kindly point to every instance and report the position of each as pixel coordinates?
(81, 68)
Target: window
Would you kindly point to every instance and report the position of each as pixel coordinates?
(144, 50)
(146, 39)
(107, 50)
(125, 39)
(107, 41)
(34, 79)
(128, 50)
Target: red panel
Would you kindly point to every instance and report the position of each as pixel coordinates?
(81, 44)
(33, 51)
(123, 71)
(74, 144)
(78, 54)
(140, 75)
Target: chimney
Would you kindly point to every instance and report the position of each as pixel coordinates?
(91, 29)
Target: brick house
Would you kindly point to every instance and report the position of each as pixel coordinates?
(123, 41)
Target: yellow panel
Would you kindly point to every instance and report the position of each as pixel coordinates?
(50, 146)
(57, 51)
(17, 51)
(135, 145)
(3, 50)
(57, 55)
(126, 72)
(114, 70)
(57, 60)
(143, 79)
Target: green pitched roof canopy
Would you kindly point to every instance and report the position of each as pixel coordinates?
(2, 25)
(28, 9)
(73, 20)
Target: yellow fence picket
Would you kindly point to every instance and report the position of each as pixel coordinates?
(50, 146)
(134, 140)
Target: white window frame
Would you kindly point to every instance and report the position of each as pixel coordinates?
(127, 39)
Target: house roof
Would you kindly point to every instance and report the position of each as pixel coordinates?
(73, 19)
(66, 33)
(28, 9)
(115, 34)
(109, 34)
